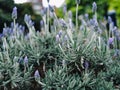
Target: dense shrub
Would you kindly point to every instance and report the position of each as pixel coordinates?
(61, 56)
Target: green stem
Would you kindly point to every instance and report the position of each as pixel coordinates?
(47, 21)
(62, 50)
(77, 17)
(99, 39)
(92, 39)
(14, 30)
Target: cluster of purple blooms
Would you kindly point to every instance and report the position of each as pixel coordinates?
(14, 28)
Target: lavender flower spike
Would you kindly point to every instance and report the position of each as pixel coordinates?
(94, 7)
(41, 23)
(86, 64)
(110, 41)
(109, 19)
(64, 8)
(60, 33)
(27, 18)
(57, 38)
(14, 13)
(30, 23)
(26, 60)
(36, 74)
(70, 14)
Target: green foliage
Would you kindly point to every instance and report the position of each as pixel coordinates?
(85, 6)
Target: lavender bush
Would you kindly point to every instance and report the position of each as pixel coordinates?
(62, 56)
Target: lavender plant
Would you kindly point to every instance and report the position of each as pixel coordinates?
(63, 57)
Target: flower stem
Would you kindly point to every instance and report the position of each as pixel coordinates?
(77, 17)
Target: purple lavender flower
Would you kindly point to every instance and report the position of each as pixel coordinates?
(26, 60)
(41, 23)
(91, 22)
(70, 14)
(109, 19)
(99, 31)
(86, 64)
(17, 24)
(60, 33)
(63, 23)
(5, 30)
(12, 25)
(110, 41)
(94, 7)
(27, 18)
(57, 38)
(30, 23)
(86, 16)
(64, 8)
(10, 31)
(14, 13)
(21, 29)
(36, 74)
(43, 11)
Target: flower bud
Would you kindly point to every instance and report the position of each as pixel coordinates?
(64, 8)
(86, 64)
(26, 60)
(60, 33)
(36, 74)
(94, 7)
(14, 13)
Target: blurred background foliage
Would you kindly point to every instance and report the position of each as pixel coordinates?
(115, 4)
(103, 6)
(6, 7)
(85, 6)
